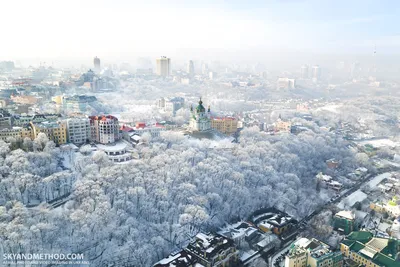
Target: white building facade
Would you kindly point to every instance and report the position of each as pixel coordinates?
(78, 130)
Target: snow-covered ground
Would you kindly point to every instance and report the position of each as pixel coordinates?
(331, 108)
(377, 143)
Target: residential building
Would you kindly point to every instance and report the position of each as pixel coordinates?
(38, 118)
(171, 105)
(282, 126)
(163, 66)
(364, 249)
(316, 73)
(200, 120)
(5, 119)
(252, 241)
(78, 130)
(24, 99)
(213, 250)
(104, 129)
(392, 207)
(78, 103)
(332, 163)
(344, 221)
(312, 253)
(275, 221)
(56, 131)
(285, 83)
(304, 72)
(190, 69)
(96, 63)
(154, 130)
(16, 132)
(225, 125)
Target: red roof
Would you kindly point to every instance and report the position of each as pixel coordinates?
(224, 118)
(102, 117)
(125, 128)
(140, 124)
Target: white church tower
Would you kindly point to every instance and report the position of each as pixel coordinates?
(200, 120)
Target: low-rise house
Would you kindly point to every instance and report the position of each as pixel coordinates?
(392, 207)
(275, 221)
(282, 126)
(344, 221)
(252, 243)
(213, 250)
(154, 130)
(332, 163)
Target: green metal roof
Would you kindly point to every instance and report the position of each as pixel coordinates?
(360, 236)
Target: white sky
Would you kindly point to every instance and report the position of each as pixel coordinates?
(123, 29)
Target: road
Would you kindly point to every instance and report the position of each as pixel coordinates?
(305, 220)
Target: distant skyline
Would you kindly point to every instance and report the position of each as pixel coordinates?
(122, 30)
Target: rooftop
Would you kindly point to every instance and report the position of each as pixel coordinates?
(347, 214)
(206, 246)
(381, 251)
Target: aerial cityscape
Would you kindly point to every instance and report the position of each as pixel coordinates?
(215, 134)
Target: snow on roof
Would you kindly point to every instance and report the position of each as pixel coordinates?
(204, 238)
(115, 147)
(352, 199)
(302, 242)
(375, 181)
(335, 183)
(377, 143)
(348, 214)
(362, 169)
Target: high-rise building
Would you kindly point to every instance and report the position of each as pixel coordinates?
(304, 72)
(163, 66)
(316, 72)
(204, 68)
(104, 129)
(96, 63)
(190, 69)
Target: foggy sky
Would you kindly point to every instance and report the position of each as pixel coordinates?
(122, 30)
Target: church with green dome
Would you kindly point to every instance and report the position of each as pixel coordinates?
(200, 120)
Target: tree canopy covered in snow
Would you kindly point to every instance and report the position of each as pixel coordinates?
(143, 210)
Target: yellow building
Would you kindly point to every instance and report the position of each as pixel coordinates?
(365, 249)
(282, 126)
(225, 125)
(58, 99)
(55, 131)
(312, 253)
(16, 132)
(392, 207)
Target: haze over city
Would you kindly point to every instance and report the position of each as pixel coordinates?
(70, 31)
